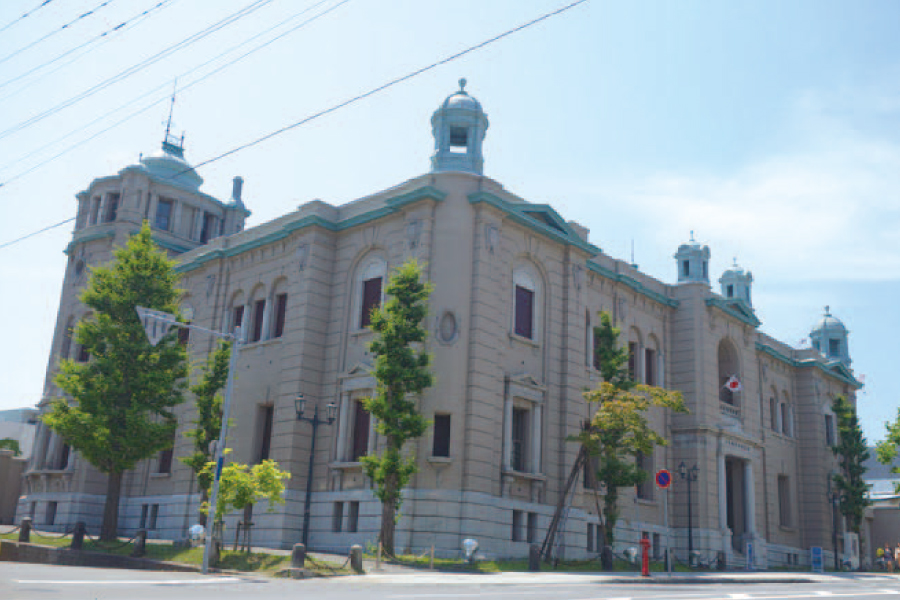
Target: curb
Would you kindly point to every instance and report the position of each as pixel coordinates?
(707, 580)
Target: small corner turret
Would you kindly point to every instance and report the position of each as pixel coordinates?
(693, 262)
(458, 127)
(736, 283)
(236, 212)
(829, 337)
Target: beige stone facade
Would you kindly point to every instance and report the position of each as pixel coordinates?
(517, 291)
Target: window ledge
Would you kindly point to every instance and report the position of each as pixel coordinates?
(50, 472)
(346, 465)
(524, 340)
(160, 475)
(524, 475)
(439, 460)
(361, 333)
(261, 343)
(647, 501)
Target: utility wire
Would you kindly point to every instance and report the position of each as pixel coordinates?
(71, 53)
(55, 31)
(253, 6)
(161, 99)
(385, 86)
(28, 14)
(371, 92)
(34, 233)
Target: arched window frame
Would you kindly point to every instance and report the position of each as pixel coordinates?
(278, 299)
(726, 371)
(635, 348)
(653, 357)
(256, 315)
(786, 415)
(231, 315)
(371, 268)
(526, 276)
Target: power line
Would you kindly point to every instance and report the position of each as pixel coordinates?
(27, 14)
(55, 31)
(183, 88)
(253, 6)
(385, 86)
(108, 34)
(34, 233)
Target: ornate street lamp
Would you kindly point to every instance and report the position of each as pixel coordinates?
(330, 415)
(689, 475)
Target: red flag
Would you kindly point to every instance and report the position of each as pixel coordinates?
(733, 384)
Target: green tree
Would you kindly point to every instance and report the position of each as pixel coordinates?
(401, 374)
(208, 423)
(11, 444)
(241, 485)
(618, 431)
(852, 451)
(125, 394)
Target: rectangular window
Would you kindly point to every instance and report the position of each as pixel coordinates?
(531, 531)
(650, 366)
(66, 349)
(163, 214)
(773, 412)
(208, 227)
(730, 290)
(259, 311)
(829, 430)
(353, 517)
(360, 445)
(280, 310)
(95, 211)
(51, 513)
(834, 348)
(517, 525)
(238, 318)
(458, 136)
(144, 510)
(524, 312)
(686, 267)
(371, 299)
(784, 502)
(632, 360)
(785, 425)
(441, 445)
(266, 415)
(164, 464)
(590, 537)
(596, 357)
(705, 270)
(154, 513)
(337, 517)
(63, 457)
(519, 438)
(645, 488)
(82, 355)
(112, 208)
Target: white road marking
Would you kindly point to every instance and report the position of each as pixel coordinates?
(129, 581)
(740, 595)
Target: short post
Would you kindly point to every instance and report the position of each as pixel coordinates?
(378, 557)
(534, 557)
(140, 543)
(78, 536)
(237, 535)
(356, 558)
(298, 556)
(25, 530)
(645, 557)
(431, 560)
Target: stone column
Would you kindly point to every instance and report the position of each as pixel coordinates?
(507, 433)
(175, 225)
(536, 436)
(750, 497)
(247, 321)
(723, 493)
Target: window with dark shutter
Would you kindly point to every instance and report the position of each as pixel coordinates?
(650, 366)
(360, 433)
(238, 316)
(165, 461)
(280, 308)
(519, 438)
(259, 310)
(371, 299)
(441, 445)
(524, 312)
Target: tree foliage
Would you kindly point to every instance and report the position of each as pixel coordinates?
(125, 394)
(241, 485)
(402, 373)
(208, 423)
(618, 431)
(852, 451)
(11, 444)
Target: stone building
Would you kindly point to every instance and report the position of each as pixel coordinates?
(517, 291)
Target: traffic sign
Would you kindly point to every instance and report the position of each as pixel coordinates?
(663, 478)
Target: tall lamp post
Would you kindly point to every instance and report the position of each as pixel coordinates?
(156, 325)
(331, 413)
(689, 475)
(834, 497)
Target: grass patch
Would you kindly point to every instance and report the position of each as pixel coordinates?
(521, 565)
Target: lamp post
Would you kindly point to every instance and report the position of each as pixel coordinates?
(156, 325)
(331, 412)
(834, 497)
(689, 475)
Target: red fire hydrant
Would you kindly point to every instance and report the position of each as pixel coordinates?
(645, 557)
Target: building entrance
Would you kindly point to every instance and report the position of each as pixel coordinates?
(736, 502)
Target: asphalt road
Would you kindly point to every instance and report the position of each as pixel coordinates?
(19, 581)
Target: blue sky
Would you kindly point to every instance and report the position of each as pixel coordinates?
(768, 128)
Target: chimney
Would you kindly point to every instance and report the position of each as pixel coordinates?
(236, 189)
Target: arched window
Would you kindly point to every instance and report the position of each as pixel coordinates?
(65, 348)
(257, 306)
(369, 289)
(635, 347)
(279, 304)
(787, 415)
(774, 415)
(652, 362)
(527, 302)
(235, 314)
(728, 368)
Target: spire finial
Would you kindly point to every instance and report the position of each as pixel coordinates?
(462, 85)
(692, 235)
(827, 310)
(735, 261)
(171, 109)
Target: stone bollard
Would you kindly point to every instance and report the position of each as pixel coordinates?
(356, 558)
(25, 530)
(534, 557)
(298, 556)
(78, 536)
(140, 543)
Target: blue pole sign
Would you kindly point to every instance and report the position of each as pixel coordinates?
(816, 559)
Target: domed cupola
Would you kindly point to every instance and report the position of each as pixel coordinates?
(458, 127)
(829, 337)
(693, 262)
(168, 163)
(736, 283)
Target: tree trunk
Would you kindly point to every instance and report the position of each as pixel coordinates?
(388, 512)
(110, 528)
(204, 498)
